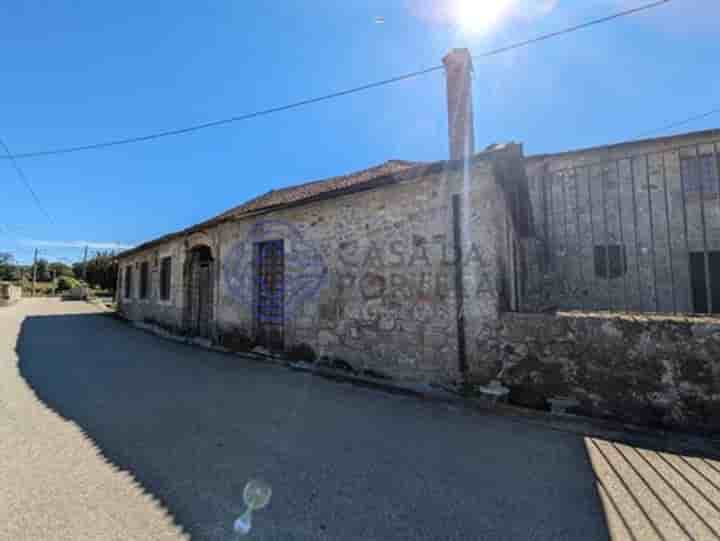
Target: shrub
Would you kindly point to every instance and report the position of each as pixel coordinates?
(237, 341)
(301, 352)
(66, 283)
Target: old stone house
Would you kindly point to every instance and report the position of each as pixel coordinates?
(389, 268)
(424, 270)
(361, 267)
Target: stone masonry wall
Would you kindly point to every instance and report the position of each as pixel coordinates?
(587, 198)
(373, 273)
(369, 276)
(645, 370)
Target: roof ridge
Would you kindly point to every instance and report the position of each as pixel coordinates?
(400, 164)
(638, 142)
(371, 177)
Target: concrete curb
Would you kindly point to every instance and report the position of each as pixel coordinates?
(575, 424)
(386, 385)
(584, 426)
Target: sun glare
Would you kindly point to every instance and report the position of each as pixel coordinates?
(480, 16)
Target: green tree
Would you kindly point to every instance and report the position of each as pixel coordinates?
(60, 269)
(67, 282)
(8, 269)
(42, 270)
(102, 270)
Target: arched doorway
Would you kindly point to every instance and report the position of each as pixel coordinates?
(199, 290)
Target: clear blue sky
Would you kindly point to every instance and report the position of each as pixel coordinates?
(87, 71)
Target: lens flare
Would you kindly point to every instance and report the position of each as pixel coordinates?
(480, 16)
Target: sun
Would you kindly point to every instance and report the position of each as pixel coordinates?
(480, 16)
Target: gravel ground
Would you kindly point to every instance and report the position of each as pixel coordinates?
(107, 432)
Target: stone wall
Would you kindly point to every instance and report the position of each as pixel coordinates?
(631, 195)
(645, 370)
(9, 294)
(370, 277)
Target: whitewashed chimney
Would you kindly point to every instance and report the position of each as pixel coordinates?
(461, 134)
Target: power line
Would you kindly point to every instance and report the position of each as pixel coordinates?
(60, 258)
(326, 97)
(594, 22)
(678, 123)
(223, 121)
(24, 178)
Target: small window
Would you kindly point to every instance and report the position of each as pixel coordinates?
(165, 277)
(702, 292)
(128, 281)
(610, 261)
(699, 174)
(144, 279)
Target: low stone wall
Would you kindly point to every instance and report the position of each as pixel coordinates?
(646, 370)
(9, 294)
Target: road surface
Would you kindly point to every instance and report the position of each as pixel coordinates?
(107, 432)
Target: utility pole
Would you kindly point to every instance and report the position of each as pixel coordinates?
(34, 278)
(52, 274)
(85, 265)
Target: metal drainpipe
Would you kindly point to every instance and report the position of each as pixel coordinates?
(459, 289)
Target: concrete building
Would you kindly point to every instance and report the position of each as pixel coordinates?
(389, 268)
(632, 226)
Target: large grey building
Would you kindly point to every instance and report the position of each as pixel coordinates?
(631, 226)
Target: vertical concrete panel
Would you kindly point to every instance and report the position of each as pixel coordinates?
(681, 268)
(661, 261)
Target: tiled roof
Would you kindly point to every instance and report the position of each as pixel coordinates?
(373, 177)
(380, 175)
(294, 194)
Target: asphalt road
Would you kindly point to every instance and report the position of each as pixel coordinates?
(107, 432)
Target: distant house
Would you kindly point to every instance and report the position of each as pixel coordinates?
(9, 293)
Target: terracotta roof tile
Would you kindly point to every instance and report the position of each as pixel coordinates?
(293, 194)
(372, 177)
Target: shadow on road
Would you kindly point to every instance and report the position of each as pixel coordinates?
(345, 463)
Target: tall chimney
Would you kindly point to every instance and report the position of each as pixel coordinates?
(458, 69)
